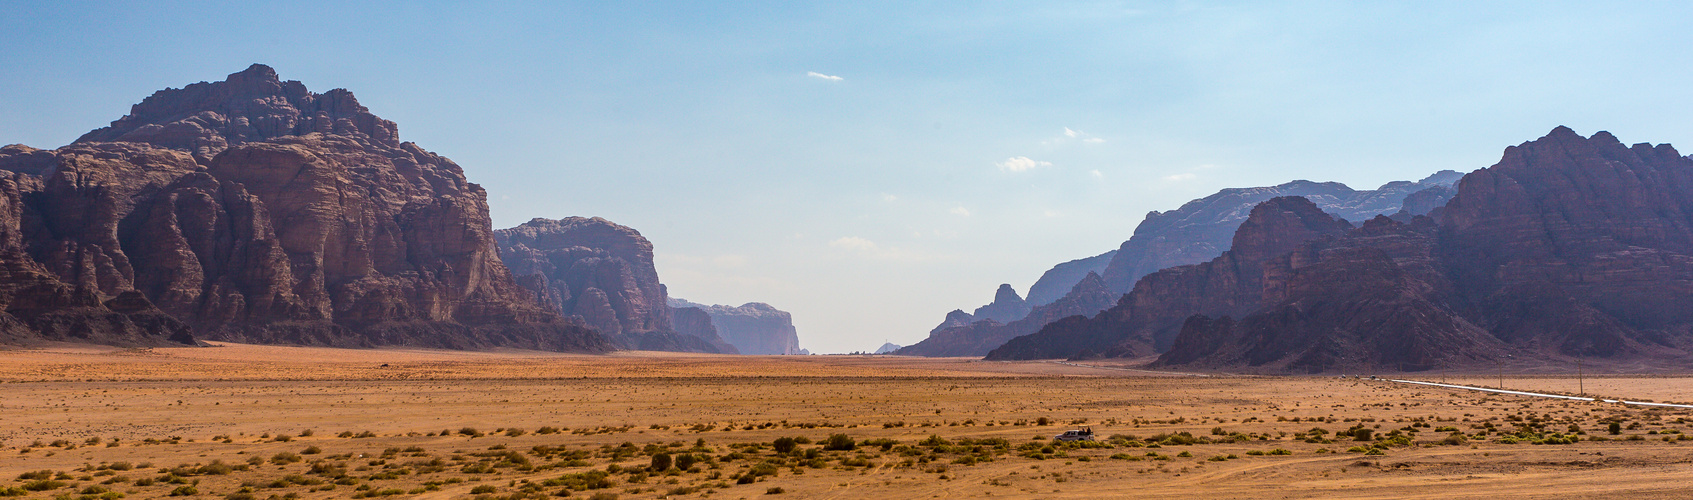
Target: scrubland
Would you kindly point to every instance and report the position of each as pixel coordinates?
(240, 421)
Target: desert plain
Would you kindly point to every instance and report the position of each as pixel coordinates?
(243, 421)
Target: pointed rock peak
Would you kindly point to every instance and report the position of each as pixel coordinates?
(960, 315)
(1443, 177)
(1006, 294)
(255, 73)
(251, 105)
(1280, 224)
(1089, 284)
(1562, 131)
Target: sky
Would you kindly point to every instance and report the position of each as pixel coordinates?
(869, 166)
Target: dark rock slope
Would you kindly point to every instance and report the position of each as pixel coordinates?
(601, 272)
(963, 335)
(1569, 246)
(753, 328)
(254, 210)
(1202, 229)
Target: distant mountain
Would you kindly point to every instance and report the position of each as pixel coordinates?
(254, 210)
(601, 272)
(1198, 231)
(1569, 246)
(887, 347)
(753, 328)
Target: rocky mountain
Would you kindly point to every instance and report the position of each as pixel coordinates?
(887, 348)
(753, 328)
(977, 337)
(601, 272)
(1006, 306)
(254, 210)
(1569, 246)
(1056, 282)
(1198, 231)
(696, 322)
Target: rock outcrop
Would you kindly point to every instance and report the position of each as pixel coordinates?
(696, 322)
(254, 210)
(887, 348)
(1569, 247)
(753, 328)
(978, 337)
(1006, 306)
(1203, 229)
(603, 273)
(1147, 320)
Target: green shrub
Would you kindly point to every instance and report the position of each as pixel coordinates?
(839, 442)
(486, 488)
(784, 444)
(661, 462)
(184, 491)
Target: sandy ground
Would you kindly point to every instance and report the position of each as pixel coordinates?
(411, 429)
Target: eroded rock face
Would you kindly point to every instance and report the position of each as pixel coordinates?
(1569, 246)
(1148, 319)
(978, 337)
(1204, 228)
(696, 322)
(253, 210)
(753, 328)
(1006, 306)
(603, 273)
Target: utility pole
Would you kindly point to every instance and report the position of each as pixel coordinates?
(1580, 378)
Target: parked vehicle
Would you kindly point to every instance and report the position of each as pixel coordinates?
(1083, 434)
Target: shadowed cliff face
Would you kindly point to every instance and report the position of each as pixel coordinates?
(603, 273)
(1149, 317)
(1569, 246)
(1198, 231)
(254, 210)
(753, 328)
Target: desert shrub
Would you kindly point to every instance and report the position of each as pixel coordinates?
(306, 433)
(777, 490)
(1614, 428)
(486, 488)
(43, 485)
(1185, 454)
(839, 442)
(311, 450)
(604, 495)
(547, 430)
(216, 468)
(470, 431)
(283, 458)
(514, 432)
(282, 438)
(9, 491)
(184, 491)
(1361, 434)
(783, 444)
(40, 474)
(661, 462)
(1043, 421)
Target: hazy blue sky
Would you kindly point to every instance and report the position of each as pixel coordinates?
(869, 166)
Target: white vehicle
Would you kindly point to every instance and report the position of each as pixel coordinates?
(1085, 434)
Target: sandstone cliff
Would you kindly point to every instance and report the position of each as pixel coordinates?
(978, 337)
(601, 272)
(1570, 246)
(254, 210)
(1202, 229)
(753, 328)
(1147, 320)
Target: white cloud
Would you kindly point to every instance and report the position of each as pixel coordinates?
(889, 198)
(1070, 135)
(854, 243)
(960, 211)
(1021, 163)
(821, 76)
(1181, 177)
(1097, 174)
(1050, 213)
